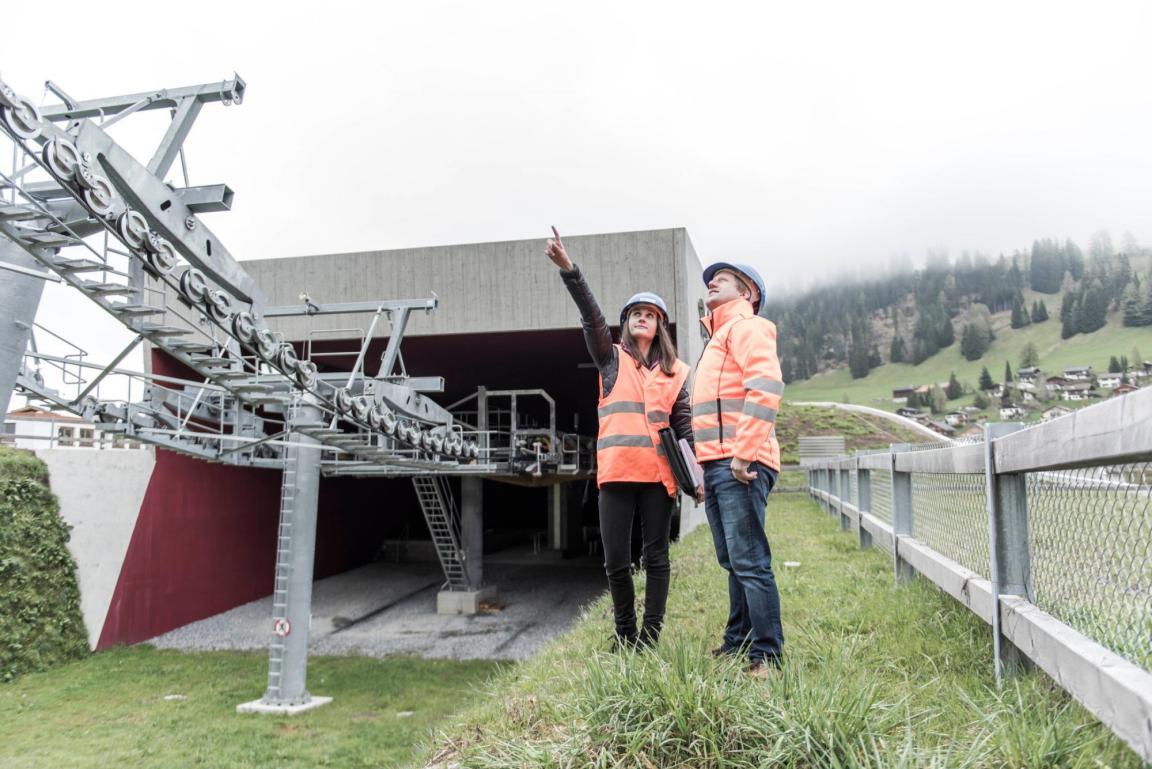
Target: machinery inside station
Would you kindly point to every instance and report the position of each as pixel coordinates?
(468, 442)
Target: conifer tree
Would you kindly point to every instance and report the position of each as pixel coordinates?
(985, 382)
(955, 389)
(1029, 356)
(897, 353)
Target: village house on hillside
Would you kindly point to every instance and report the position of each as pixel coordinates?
(1078, 373)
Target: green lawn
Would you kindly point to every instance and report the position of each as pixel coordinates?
(875, 677)
(109, 710)
(1055, 355)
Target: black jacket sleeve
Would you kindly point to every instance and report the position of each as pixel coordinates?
(596, 334)
(681, 417)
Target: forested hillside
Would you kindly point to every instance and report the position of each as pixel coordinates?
(908, 316)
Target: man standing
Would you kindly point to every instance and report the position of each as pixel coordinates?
(735, 397)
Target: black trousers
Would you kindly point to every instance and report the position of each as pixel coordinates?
(619, 502)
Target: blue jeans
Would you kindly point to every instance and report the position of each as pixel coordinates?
(736, 516)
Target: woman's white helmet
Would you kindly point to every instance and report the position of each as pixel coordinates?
(644, 297)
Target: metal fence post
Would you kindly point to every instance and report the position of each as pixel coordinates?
(863, 503)
(901, 515)
(833, 488)
(845, 494)
(1008, 551)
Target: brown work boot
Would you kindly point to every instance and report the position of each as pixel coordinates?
(763, 669)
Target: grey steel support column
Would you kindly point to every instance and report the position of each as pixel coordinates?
(557, 517)
(19, 300)
(295, 556)
(472, 529)
(1009, 556)
(845, 496)
(901, 515)
(864, 504)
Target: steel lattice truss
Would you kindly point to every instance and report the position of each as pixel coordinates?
(108, 225)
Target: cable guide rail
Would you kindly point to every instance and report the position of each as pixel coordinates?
(98, 220)
(1044, 532)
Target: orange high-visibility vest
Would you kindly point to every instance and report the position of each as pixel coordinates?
(737, 389)
(628, 443)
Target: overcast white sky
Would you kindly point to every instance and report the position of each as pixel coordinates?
(802, 137)
(809, 139)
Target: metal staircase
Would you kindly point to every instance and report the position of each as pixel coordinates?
(443, 520)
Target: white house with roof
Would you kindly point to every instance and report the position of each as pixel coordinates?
(30, 427)
(1078, 373)
(1109, 381)
(1055, 413)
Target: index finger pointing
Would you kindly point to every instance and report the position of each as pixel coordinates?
(557, 234)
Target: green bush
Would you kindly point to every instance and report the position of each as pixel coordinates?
(40, 621)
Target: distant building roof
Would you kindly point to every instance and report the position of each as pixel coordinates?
(31, 412)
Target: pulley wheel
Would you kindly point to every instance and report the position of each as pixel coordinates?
(131, 225)
(163, 260)
(388, 421)
(244, 327)
(375, 416)
(306, 374)
(266, 345)
(343, 400)
(288, 357)
(220, 307)
(62, 159)
(360, 408)
(194, 286)
(22, 118)
(100, 197)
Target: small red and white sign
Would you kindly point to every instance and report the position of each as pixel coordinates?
(281, 627)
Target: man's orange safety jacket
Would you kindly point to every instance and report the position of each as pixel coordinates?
(737, 388)
(628, 443)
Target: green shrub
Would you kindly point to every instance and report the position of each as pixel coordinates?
(40, 621)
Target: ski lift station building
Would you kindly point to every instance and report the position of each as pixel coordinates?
(180, 539)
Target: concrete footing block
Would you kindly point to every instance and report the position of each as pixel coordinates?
(259, 706)
(463, 601)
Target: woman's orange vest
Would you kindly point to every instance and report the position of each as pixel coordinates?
(628, 444)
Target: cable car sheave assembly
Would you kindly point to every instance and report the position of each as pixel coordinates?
(77, 208)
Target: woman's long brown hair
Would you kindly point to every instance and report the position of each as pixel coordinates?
(661, 350)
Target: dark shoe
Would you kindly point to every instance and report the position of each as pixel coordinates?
(624, 642)
(648, 638)
(764, 668)
(720, 652)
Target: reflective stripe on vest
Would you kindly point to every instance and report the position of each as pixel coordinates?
(631, 416)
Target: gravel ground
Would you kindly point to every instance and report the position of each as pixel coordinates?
(387, 608)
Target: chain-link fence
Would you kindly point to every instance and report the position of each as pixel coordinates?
(950, 515)
(1090, 532)
(882, 495)
(1058, 559)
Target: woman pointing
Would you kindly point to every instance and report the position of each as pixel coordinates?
(642, 389)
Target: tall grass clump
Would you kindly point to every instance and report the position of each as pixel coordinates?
(874, 676)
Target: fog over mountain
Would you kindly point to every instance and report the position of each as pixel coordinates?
(813, 141)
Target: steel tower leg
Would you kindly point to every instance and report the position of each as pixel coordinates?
(295, 555)
(19, 299)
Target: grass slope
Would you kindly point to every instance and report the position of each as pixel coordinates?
(109, 710)
(1055, 355)
(874, 677)
(860, 431)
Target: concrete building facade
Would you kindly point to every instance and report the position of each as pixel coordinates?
(200, 539)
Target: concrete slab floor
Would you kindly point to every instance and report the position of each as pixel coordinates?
(389, 608)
